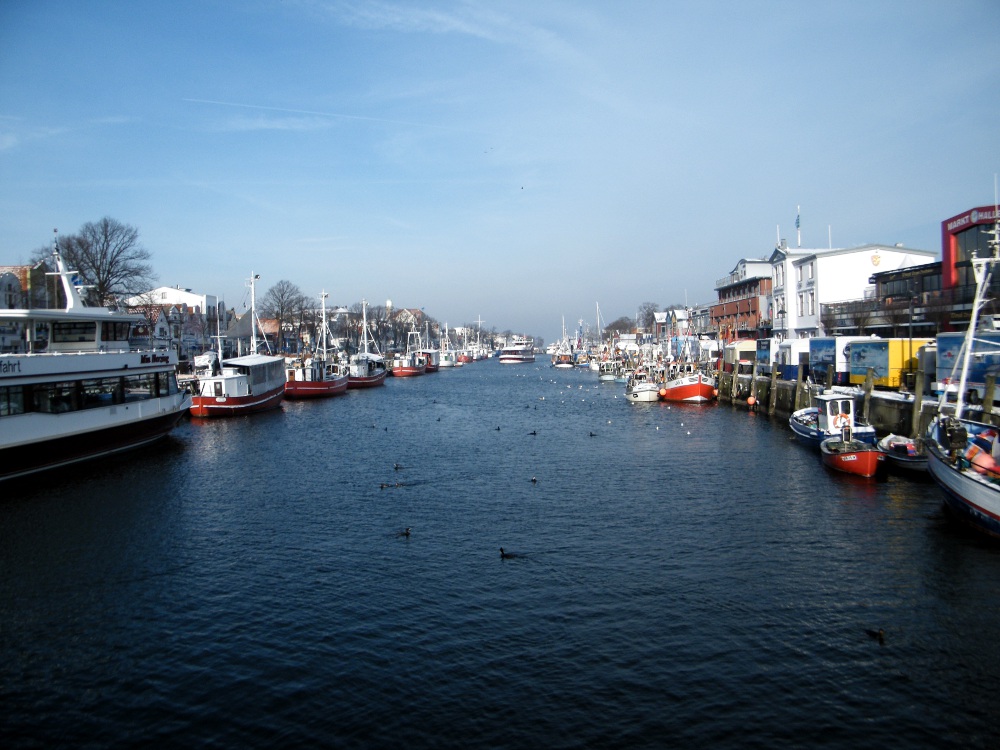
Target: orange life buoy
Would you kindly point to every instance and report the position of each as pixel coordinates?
(841, 421)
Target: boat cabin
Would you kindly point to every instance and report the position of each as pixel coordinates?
(836, 412)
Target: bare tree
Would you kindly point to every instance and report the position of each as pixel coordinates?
(109, 258)
(646, 316)
(283, 302)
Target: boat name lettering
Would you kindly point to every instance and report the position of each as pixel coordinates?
(10, 367)
(848, 458)
(147, 359)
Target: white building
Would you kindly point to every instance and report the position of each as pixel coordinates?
(802, 280)
(179, 319)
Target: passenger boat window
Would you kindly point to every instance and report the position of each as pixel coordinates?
(139, 387)
(98, 393)
(11, 400)
(167, 383)
(56, 398)
(115, 331)
(72, 332)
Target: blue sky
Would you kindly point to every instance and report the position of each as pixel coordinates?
(514, 161)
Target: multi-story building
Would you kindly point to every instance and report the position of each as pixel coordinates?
(743, 297)
(923, 300)
(804, 280)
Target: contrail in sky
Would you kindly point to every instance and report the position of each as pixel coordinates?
(325, 114)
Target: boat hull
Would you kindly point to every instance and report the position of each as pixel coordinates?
(644, 393)
(901, 455)
(210, 407)
(366, 381)
(692, 389)
(408, 371)
(971, 494)
(854, 457)
(133, 429)
(303, 389)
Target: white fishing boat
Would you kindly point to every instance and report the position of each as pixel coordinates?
(366, 369)
(447, 357)
(963, 455)
(642, 386)
(78, 391)
(242, 385)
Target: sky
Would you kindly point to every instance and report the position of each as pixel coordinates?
(518, 163)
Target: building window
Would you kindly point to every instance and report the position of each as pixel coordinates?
(812, 302)
(798, 274)
(800, 304)
(810, 270)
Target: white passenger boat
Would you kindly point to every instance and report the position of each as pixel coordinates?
(518, 350)
(78, 391)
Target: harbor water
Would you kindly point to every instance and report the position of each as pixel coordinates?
(683, 576)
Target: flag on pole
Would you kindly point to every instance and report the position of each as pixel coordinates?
(796, 221)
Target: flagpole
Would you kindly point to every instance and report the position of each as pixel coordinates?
(798, 232)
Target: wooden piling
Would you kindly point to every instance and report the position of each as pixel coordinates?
(918, 401)
(869, 384)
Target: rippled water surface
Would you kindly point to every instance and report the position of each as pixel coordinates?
(683, 577)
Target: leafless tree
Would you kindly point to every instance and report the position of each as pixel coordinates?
(283, 302)
(645, 317)
(108, 257)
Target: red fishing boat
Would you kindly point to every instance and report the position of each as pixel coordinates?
(685, 382)
(852, 456)
(243, 385)
(315, 377)
(367, 368)
(411, 362)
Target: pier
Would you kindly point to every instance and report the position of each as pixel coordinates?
(887, 411)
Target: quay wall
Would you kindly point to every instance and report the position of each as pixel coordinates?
(886, 411)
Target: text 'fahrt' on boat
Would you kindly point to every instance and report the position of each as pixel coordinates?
(73, 389)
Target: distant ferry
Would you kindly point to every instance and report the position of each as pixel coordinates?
(79, 392)
(519, 349)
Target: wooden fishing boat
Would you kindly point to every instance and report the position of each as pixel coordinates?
(852, 456)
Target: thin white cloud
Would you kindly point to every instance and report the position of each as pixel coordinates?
(317, 124)
(261, 122)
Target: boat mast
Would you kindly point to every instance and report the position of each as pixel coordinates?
(983, 269)
(322, 299)
(254, 320)
(364, 325)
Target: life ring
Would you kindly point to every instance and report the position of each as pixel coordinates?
(841, 421)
